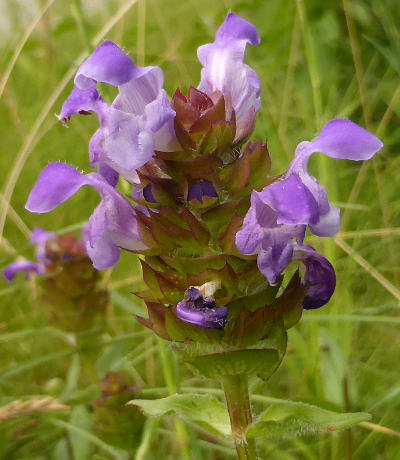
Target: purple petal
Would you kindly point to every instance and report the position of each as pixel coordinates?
(96, 148)
(159, 112)
(196, 310)
(144, 96)
(137, 93)
(39, 238)
(248, 239)
(258, 218)
(274, 260)
(260, 228)
(200, 189)
(344, 140)
(223, 67)
(319, 277)
(328, 224)
(56, 184)
(236, 28)
(130, 144)
(83, 102)
(24, 266)
(109, 174)
(106, 166)
(103, 252)
(292, 201)
(107, 64)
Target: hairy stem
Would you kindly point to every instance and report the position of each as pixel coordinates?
(238, 403)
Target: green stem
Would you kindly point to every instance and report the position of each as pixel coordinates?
(172, 387)
(148, 430)
(238, 403)
(82, 26)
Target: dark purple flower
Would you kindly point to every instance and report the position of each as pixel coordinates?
(319, 277)
(112, 225)
(139, 121)
(200, 311)
(200, 189)
(225, 71)
(148, 194)
(283, 210)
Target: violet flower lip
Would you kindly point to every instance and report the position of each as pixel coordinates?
(200, 311)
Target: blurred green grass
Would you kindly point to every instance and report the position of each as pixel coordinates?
(317, 60)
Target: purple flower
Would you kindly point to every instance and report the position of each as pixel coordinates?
(112, 225)
(138, 122)
(224, 69)
(264, 235)
(200, 311)
(319, 277)
(24, 266)
(281, 211)
(39, 238)
(340, 139)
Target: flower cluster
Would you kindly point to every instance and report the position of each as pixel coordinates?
(203, 207)
(68, 282)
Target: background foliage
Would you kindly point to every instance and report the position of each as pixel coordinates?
(318, 60)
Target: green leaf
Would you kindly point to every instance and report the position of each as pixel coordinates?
(289, 419)
(114, 453)
(204, 410)
(262, 362)
(82, 420)
(129, 304)
(72, 380)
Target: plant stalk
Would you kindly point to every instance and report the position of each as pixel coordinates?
(238, 403)
(180, 430)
